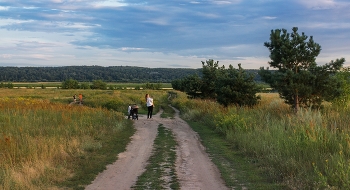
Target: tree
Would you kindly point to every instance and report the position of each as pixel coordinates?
(99, 84)
(343, 100)
(192, 85)
(298, 79)
(84, 85)
(177, 84)
(235, 86)
(152, 86)
(70, 84)
(210, 73)
(10, 85)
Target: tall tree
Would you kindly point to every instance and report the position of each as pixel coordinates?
(298, 79)
(236, 87)
(210, 74)
(192, 85)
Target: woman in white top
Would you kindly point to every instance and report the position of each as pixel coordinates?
(149, 103)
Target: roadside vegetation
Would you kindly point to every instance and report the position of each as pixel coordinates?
(300, 136)
(307, 150)
(48, 143)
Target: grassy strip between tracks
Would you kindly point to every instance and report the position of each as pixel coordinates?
(160, 171)
(238, 172)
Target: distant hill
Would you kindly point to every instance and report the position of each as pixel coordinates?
(90, 73)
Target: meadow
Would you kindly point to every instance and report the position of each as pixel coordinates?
(48, 143)
(307, 150)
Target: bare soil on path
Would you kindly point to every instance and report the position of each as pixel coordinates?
(194, 168)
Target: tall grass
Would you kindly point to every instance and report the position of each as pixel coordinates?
(38, 139)
(45, 141)
(308, 150)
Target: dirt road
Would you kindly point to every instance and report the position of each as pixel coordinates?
(193, 166)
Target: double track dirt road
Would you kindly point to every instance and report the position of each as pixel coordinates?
(194, 168)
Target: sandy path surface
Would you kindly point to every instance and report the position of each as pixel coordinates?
(193, 166)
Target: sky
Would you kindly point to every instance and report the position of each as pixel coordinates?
(164, 33)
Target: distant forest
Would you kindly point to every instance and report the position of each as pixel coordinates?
(91, 73)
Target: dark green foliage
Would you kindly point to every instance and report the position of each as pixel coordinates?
(10, 85)
(210, 75)
(193, 86)
(227, 86)
(298, 79)
(91, 73)
(70, 84)
(344, 77)
(177, 84)
(85, 85)
(99, 84)
(235, 86)
(152, 86)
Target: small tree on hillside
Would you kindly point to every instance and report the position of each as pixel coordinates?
(298, 79)
(235, 86)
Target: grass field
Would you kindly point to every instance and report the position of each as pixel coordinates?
(308, 150)
(48, 143)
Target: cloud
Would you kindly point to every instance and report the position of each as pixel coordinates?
(154, 33)
(109, 3)
(131, 49)
(4, 8)
(319, 4)
(269, 17)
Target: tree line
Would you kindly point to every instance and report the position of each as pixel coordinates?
(101, 85)
(91, 73)
(296, 76)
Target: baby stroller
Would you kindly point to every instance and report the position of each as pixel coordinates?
(134, 112)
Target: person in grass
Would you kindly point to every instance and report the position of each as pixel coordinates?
(80, 98)
(150, 105)
(129, 113)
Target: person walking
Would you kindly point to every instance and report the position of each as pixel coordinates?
(129, 111)
(80, 98)
(150, 105)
